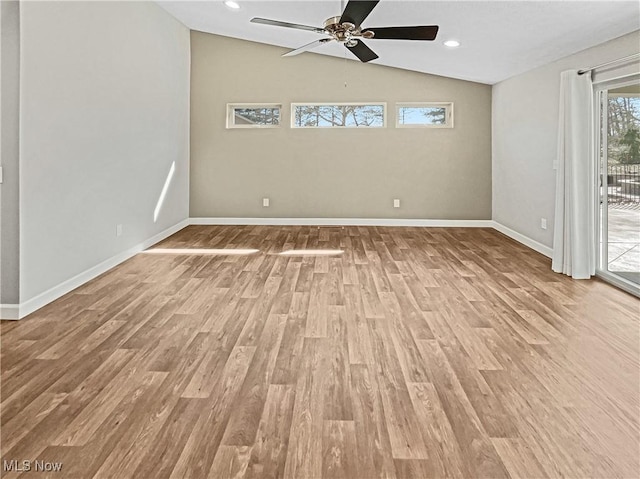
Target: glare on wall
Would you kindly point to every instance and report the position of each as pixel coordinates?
(165, 188)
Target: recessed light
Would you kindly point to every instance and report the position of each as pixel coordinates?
(231, 4)
(452, 43)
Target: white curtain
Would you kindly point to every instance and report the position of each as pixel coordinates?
(574, 236)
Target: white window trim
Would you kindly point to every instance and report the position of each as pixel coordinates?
(231, 107)
(340, 103)
(448, 105)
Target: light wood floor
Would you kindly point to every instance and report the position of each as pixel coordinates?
(417, 353)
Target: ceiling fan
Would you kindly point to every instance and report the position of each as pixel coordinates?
(347, 30)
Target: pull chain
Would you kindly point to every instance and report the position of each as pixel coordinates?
(345, 68)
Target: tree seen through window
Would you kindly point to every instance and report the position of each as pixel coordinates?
(339, 115)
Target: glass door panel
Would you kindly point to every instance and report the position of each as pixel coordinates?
(619, 168)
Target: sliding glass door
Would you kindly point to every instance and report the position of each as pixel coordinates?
(618, 148)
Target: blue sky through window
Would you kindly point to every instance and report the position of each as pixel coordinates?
(422, 115)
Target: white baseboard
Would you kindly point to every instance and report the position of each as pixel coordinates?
(343, 222)
(9, 311)
(28, 307)
(525, 240)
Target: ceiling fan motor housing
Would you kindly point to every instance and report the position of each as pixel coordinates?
(344, 32)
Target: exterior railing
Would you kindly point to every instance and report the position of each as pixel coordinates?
(623, 182)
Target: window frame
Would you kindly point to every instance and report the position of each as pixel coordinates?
(448, 105)
(339, 103)
(232, 107)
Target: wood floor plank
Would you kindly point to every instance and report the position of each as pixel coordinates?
(88, 324)
(269, 451)
(19, 426)
(445, 457)
(111, 432)
(519, 461)
(245, 417)
(408, 306)
(230, 462)
(372, 438)
(370, 299)
(413, 353)
(161, 459)
(494, 419)
(204, 440)
(85, 424)
(471, 342)
(337, 395)
(256, 320)
(398, 329)
(14, 356)
(304, 454)
(208, 373)
(289, 356)
(475, 445)
(48, 382)
(338, 447)
(412, 468)
(402, 425)
(140, 436)
(358, 337)
(282, 301)
(51, 426)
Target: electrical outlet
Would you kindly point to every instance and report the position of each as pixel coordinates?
(543, 223)
(265, 202)
(396, 203)
(118, 230)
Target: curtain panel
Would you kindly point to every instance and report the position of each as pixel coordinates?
(574, 238)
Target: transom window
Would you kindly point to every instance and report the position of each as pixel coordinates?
(338, 115)
(248, 115)
(424, 115)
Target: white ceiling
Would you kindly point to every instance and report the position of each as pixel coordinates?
(499, 39)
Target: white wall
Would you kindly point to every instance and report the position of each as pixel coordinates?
(524, 129)
(9, 147)
(104, 114)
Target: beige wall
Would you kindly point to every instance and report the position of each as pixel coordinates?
(331, 173)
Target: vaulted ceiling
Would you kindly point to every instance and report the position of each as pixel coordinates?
(498, 39)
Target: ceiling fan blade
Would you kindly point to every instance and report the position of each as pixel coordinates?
(277, 23)
(307, 47)
(357, 10)
(404, 33)
(363, 52)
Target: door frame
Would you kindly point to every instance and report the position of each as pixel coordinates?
(601, 197)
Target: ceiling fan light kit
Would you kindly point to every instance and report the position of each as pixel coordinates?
(346, 29)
